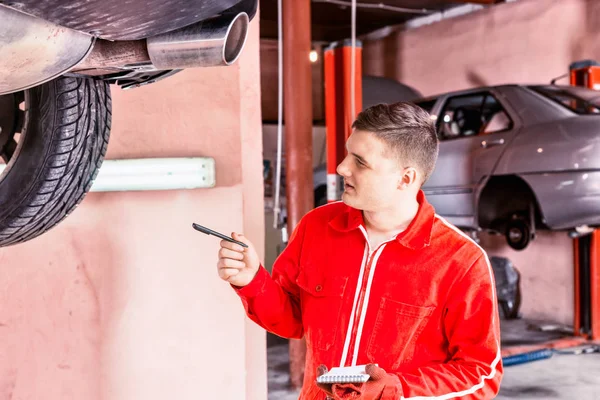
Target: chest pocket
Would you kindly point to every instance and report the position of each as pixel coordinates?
(321, 302)
(397, 328)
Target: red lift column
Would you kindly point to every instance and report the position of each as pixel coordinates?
(587, 263)
(339, 115)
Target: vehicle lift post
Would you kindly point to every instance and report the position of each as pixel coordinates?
(586, 248)
(339, 115)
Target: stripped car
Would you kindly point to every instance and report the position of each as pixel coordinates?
(516, 158)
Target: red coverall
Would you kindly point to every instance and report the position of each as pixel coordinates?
(422, 305)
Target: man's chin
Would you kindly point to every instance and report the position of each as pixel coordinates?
(348, 199)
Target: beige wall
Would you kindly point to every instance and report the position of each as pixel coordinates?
(121, 301)
(518, 42)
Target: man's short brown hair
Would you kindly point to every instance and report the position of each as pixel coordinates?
(407, 129)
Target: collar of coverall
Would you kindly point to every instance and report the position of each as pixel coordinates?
(416, 236)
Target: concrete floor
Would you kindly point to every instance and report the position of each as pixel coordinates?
(560, 377)
(573, 377)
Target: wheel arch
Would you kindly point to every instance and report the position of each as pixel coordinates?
(502, 196)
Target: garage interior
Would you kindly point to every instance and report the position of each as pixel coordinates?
(422, 49)
(121, 300)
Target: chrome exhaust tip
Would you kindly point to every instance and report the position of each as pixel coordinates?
(216, 42)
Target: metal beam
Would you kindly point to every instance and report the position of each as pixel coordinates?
(297, 76)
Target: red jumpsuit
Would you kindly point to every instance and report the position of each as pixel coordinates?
(422, 305)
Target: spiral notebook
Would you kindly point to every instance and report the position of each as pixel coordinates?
(354, 374)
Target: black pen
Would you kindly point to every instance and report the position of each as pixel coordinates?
(217, 234)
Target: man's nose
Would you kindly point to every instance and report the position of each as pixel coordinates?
(342, 169)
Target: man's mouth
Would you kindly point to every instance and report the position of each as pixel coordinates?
(347, 185)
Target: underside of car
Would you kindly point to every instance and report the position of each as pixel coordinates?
(127, 43)
(55, 102)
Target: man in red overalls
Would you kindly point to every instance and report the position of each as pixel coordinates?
(379, 279)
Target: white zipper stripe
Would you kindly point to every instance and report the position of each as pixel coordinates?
(366, 235)
(356, 296)
(366, 303)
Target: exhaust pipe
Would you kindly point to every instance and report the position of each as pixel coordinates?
(216, 42)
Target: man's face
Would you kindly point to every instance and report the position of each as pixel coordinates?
(372, 175)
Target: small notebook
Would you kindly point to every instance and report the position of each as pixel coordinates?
(354, 374)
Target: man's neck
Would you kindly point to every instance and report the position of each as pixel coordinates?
(393, 220)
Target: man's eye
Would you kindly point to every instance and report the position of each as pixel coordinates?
(359, 163)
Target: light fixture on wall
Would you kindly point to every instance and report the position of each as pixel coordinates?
(313, 55)
(153, 174)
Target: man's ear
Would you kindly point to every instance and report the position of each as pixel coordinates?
(408, 178)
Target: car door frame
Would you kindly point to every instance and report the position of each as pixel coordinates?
(470, 220)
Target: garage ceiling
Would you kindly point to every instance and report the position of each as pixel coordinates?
(331, 18)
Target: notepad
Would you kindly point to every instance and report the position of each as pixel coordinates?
(355, 374)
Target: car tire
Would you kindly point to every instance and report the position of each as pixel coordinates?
(518, 233)
(320, 196)
(510, 310)
(62, 132)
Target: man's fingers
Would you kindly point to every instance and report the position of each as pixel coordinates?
(227, 273)
(375, 372)
(231, 246)
(321, 370)
(227, 253)
(229, 263)
(240, 238)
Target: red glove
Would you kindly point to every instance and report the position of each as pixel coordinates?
(381, 386)
(326, 387)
